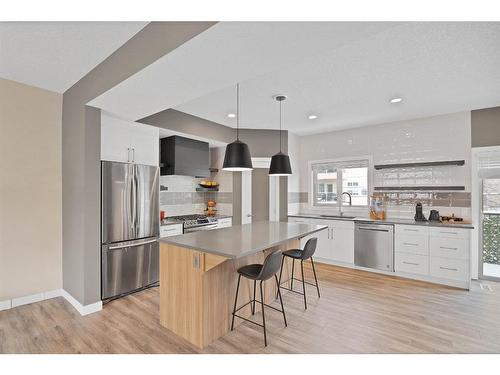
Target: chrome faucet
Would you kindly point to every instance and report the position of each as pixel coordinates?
(340, 205)
(349, 195)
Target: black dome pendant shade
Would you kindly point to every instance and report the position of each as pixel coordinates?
(280, 162)
(237, 157)
(280, 165)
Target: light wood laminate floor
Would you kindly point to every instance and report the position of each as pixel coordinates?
(358, 312)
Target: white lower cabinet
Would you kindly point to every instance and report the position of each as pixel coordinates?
(411, 263)
(171, 230)
(436, 254)
(439, 253)
(446, 268)
(336, 243)
(342, 236)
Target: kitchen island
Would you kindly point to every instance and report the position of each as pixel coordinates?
(198, 274)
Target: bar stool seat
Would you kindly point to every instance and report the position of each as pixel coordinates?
(251, 271)
(293, 253)
(259, 272)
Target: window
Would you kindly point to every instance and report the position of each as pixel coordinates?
(329, 180)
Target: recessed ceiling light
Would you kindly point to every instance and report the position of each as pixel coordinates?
(312, 117)
(396, 100)
(231, 115)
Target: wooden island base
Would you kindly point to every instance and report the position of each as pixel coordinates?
(197, 290)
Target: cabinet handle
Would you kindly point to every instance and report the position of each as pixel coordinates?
(448, 248)
(128, 154)
(133, 155)
(449, 269)
(410, 263)
(410, 244)
(443, 232)
(411, 230)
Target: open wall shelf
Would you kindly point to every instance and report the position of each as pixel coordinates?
(419, 188)
(420, 164)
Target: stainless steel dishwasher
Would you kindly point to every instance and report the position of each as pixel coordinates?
(374, 245)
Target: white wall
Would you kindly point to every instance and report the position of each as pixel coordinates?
(445, 137)
(294, 179)
(30, 190)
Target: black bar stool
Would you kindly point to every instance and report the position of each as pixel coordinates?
(303, 255)
(260, 272)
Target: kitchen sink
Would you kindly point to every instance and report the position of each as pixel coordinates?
(339, 216)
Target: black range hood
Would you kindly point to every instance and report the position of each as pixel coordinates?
(184, 156)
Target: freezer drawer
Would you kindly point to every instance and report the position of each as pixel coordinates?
(374, 246)
(129, 266)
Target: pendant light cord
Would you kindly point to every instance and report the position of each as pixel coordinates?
(280, 125)
(237, 111)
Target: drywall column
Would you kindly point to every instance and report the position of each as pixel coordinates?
(485, 127)
(81, 145)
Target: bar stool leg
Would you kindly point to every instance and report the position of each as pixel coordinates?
(293, 267)
(263, 316)
(253, 303)
(303, 283)
(281, 300)
(315, 278)
(281, 272)
(235, 301)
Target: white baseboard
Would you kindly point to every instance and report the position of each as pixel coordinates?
(5, 305)
(27, 299)
(82, 309)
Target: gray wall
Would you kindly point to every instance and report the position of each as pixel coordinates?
(81, 145)
(485, 125)
(262, 143)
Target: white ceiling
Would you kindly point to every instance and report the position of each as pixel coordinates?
(346, 73)
(55, 55)
(226, 53)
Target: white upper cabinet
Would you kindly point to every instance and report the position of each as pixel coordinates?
(129, 142)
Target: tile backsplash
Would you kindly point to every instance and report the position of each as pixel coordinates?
(179, 196)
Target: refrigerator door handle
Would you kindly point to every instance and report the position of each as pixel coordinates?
(133, 244)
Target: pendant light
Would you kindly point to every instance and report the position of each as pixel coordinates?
(280, 162)
(237, 157)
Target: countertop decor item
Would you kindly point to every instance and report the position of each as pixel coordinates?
(208, 184)
(237, 157)
(377, 208)
(419, 215)
(280, 162)
(434, 216)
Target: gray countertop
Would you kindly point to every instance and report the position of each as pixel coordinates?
(242, 240)
(388, 221)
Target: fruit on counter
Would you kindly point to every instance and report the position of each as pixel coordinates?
(211, 204)
(208, 183)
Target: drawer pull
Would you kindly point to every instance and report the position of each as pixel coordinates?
(448, 248)
(410, 244)
(448, 269)
(412, 264)
(444, 232)
(411, 230)
(169, 229)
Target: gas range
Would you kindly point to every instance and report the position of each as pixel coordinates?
(196, 222)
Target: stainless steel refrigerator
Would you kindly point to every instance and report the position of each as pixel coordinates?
(130, 227)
